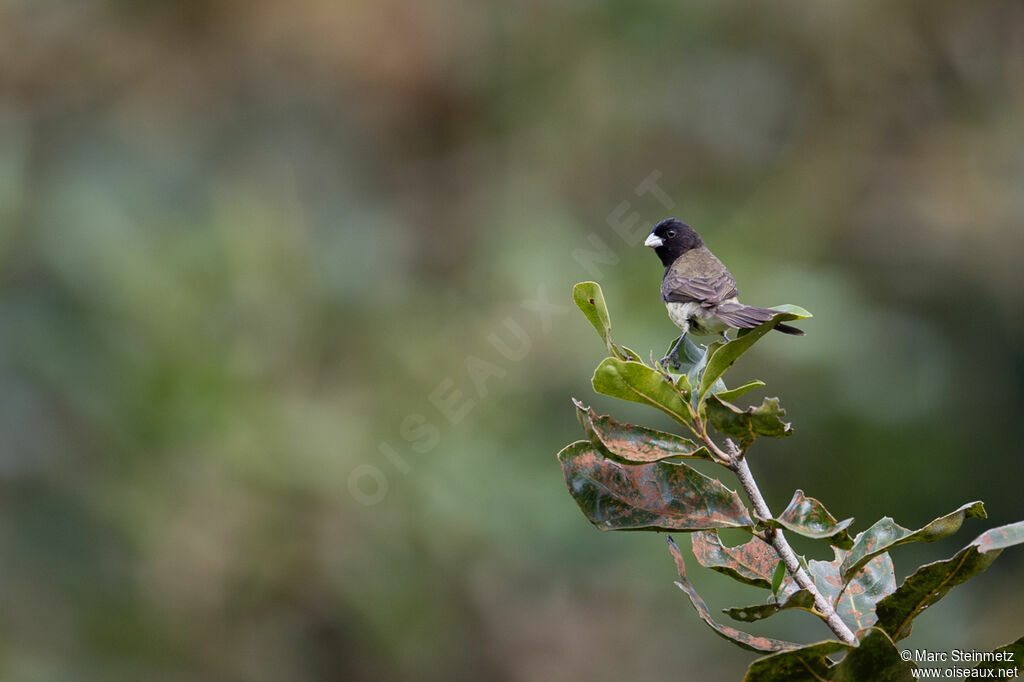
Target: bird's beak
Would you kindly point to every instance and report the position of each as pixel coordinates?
(653, 241)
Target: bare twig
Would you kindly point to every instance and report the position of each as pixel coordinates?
(788, 556)
(733, 457)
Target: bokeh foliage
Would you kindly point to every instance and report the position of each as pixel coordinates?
(240, 246)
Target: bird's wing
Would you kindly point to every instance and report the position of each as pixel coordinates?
(698, 277)
(743, 316)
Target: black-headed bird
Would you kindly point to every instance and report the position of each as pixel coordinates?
(698, 290)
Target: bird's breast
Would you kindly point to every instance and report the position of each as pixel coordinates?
(682, 313)
(694, 316)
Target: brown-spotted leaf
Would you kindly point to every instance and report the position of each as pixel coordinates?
(747, 424)
(806, 664)
(875, 658)
(636, 444)
(857, 602)
(1005, 660)
(886, 534)
(743, 639)
(654, 496)
(808, 517)
(801, 599)
(933, 581)
(752, 563)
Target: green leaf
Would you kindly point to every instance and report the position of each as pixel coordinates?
(691, 365)
(655, 496)
(639, 383)
(683, 384)
(696, 372)
(801, 599)
(875, 658)
(1014, 651)
(886, 534)
(692, 352)
(590, 299)
(808, 517)
(795, 311)
(627, 353)
(780, 573)
(743, 639)
(806, 664)
(635, 444)
(752, 563)
(746, 425)
(933, 581)
(690, 355)
(722, 357)
(733, 393)
(857, 602)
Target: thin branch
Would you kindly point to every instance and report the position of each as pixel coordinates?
(725, 457)
(788, 556)
(734, 458)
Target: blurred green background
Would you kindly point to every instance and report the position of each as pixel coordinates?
(253, 256)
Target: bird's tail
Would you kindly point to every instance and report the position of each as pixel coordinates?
(742, 316)
(787, 329)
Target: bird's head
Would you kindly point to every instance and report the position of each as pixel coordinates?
(672, 238)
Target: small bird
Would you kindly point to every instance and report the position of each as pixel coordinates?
(698, 290)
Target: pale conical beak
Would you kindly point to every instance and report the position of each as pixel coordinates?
(653, 241)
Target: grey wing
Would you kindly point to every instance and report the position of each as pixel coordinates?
(708, 291)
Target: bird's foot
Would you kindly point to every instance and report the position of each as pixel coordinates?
(671, 361)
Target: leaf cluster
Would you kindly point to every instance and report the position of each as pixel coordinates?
(628, 477)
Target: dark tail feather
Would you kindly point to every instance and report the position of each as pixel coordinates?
(786, 329)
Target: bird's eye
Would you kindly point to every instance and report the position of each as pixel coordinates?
(671, 233)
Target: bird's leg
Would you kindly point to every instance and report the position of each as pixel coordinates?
(673, 355)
